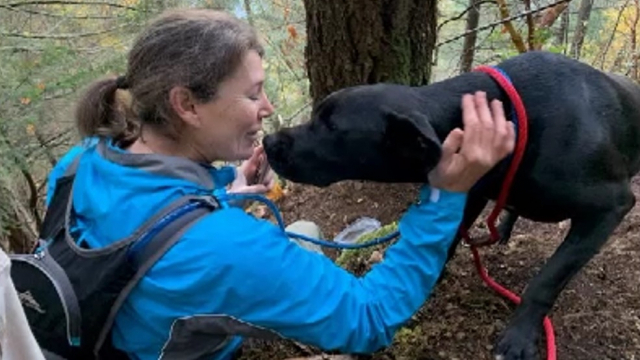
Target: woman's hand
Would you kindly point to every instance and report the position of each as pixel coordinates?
(254, 175)
(469, 154)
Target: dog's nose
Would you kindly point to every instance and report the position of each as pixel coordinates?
(267, 141)
(277, 145)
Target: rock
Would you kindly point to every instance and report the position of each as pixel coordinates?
(375, 257)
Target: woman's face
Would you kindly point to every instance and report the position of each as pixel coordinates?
(228, 125)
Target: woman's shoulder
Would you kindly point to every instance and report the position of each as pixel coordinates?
(62, 165)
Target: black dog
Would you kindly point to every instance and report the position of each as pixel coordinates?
(583, 148)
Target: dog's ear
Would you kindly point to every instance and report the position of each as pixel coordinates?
(411, 137)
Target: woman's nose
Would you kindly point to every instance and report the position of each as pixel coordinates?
(267, 108)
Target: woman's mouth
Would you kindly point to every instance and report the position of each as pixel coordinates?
(254, 135)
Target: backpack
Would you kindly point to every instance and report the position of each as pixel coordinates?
(72, 294)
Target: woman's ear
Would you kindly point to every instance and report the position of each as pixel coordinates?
(184, 104)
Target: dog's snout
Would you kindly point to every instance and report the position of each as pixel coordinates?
(267, 142)
(277, 145)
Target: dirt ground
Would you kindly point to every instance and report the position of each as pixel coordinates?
(596, 317)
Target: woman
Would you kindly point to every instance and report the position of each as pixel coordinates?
(195, 82)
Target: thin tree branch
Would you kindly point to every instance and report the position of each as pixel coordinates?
(459, 16)
(515, 35)
(603, 55)
(502, 21)
(281, 56)
(41, 139)
(50, 143)
(48, 14)
(64, 36)
(634, 43)
(248, 10)
(15, 49)
(468, 48)
(580, 30)
(33, 189)
(531, 27)
(33, 196)
(549, 17)
(297, 112)
(67, 2)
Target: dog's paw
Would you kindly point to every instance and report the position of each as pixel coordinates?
(515, 344)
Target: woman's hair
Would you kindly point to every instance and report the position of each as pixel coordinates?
(197, 49)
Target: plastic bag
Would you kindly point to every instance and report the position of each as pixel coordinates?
(356, 229)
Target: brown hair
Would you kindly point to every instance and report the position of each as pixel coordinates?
(197, 49)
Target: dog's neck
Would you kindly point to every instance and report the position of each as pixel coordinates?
(441, 101)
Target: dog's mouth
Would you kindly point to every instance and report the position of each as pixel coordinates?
(292, 164)
(302, 176)
(320, 182)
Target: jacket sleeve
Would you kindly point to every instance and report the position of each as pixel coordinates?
(271, 283)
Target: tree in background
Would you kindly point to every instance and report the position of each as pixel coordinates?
(364, 42)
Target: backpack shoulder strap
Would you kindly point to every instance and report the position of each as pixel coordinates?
(157, 239)
(53, 221)
(154, 243)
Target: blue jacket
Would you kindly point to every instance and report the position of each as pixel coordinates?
(232, 273)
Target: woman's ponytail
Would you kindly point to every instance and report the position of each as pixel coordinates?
(100, 112)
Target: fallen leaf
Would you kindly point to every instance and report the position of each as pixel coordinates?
(31, 129)
(276, 193)
(292, 32)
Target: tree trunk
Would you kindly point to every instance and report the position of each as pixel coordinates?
(364, 42)
(563, 29)
(249, 11)
(469, 47)
(581, 28)
(633, 68)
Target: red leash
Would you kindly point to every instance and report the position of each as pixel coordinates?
(522, 133)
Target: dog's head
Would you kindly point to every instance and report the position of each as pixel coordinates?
(371, 132)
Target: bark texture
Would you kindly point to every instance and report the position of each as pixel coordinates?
(368, 41)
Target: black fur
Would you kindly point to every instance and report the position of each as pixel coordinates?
(583, 149)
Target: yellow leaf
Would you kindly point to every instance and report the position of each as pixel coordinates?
(25, 101)
(31, 129)
(276, 193)
(40, 86)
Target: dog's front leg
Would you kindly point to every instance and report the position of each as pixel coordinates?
(587, 235)
(505, 227)
(474, 206)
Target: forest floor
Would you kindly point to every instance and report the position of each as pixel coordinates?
(596, 317)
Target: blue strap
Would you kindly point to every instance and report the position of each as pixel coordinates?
(165, 228)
